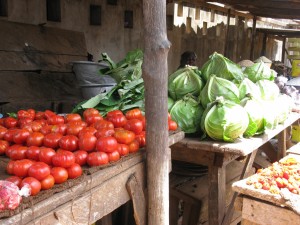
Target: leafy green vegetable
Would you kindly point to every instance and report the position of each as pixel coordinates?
(248, 87)
(259, 71)
(170, 103)
(268, 89)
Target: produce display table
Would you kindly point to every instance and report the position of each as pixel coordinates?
(97, 195)
(216, 155)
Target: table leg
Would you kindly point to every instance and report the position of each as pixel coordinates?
(281, 144)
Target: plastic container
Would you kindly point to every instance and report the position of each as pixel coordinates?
(91, 90)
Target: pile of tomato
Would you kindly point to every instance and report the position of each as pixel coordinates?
(46, 148)
(283, 174)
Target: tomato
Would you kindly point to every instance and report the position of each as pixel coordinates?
(34, 184)
(18, 152)
(93, 119)
(3, 146)
(74, 171)
(104, 124)
(21, 136)
(15, 179)
(97, 159)
(48, 113)
(34, 126)
(10, 133)
(80, 157)
(133, 114)
(10, 167)
(55, 120)
(134, 125)
(59, 174)
(118, 120)
(114, 113)
(134, 146)
(124, 136)
(172, 125)
(10, 149)
(143, 119)
(21, 167)
(33, 153)
(39, 170)
(113, 156)
(31, 113)
(59, 128)
(106, 144)
(68, 142)
(72, 117)
(47, 182)
(24, 121)
(123, 149)
(3, 130)
(87, 142)
(87, 130)
(105, 132)
(46, 129)
(46, 155)
(63, 159)
(35, 139)
(2, 122)
(73, 129)
(39, 116)
(51, 140)
(90, 112)
(141, 138)
(10, 122)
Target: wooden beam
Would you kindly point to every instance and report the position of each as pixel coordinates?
(253, 39)
(283, 50)
(227, 34)
(264, 46)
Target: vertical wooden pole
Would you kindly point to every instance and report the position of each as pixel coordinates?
(283, 49)
(253, 38)
(155, 75)
(227, 34)
(264, 46)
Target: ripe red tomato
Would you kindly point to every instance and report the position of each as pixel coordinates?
(34, 185)
(3, 146)
(21, 136)
(47, 182)
(72, 117)
(10, 149)
(123, 149)
(17, 152)
(134, 146)
(93, 119)
(97, 159)
(87, 130)
(21, 114)
(134, 125)
(39, 116)
(31, 113)
(124, 136)
(113, 156)
(46, 155)
(69, 142)
(10, 167)
(133, 114)
(141, 138)
(114, 113)
(51, 140)
(104, 124)
(87, 142)
(89, 112)
(143, 119)
(39, 170)
(118, 120)
(59, 128)
(80, 157)
(10, 122)
(106, 144)
(46, 129)
(105, 132)
(172, 125)
(74, 171)
(73, 129)
(35, 139)
(24, 121)
(59, 174)
(33, 153)
(34, 126)
(48, 113)
(55, 120)
(20, 167)
(2, 132)
(10, 133)
(14, 179)
(63, 159)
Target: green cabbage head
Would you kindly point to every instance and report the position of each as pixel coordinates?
(268, 89)
(248, 87)
(259, 71)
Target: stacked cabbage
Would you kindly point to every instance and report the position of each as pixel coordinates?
(229, 102)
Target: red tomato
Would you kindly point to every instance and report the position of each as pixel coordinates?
(18, 152)
(3, 146)
(34, 126)
(34, 184)
(80, 157)
(103, 124)
(113, 156)
(87, 142)
(123, 149)
(89, 112)
(106, 144)
(35, 139)
(2, 132)
(172, 125)
(46, 129)
(24, 121)
(46, 155)
(10, 122)
(59, 174)
(10, 149)
(114, 113)
(143, 119)
(74, 171)
(124, 136)
(93, 119)
(118, 120)
(10, 167)
(133, 114)
(68, 142)
(21, 167)
(39, 116)
(72, 117)
(21, 136)
(87, 130)
(39, 170)
(55, 120)
(10, 133)
(51, 140)
(134, 146)
(141, 138)
(105, 132)
(73, 129)
(47, 182)
(33, 153)
(59, 128)
(2, 122)
(97, 159)
(14, 179)
(31, 113)
(63, 159)
(48, 113)
(134, 125)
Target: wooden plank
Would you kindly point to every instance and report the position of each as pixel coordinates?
(281, 144)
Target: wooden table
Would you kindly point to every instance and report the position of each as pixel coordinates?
(216, 155)
(100, 194)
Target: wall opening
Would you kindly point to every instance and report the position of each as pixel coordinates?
(95, 15)
(53, 10)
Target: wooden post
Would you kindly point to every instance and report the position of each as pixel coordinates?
(227, 34)
(264, 46)
(155, 75)
(283, 49)
(253, 38)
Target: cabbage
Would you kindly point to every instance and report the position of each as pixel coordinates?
(217, 86)
(224, 120)
(271, 118)
(183, 81)
(170, 103)
(187, 112)
(259, 71)
(268, 89)
(284, 107)
(255, 112)
(248, 87)
(222, 67)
